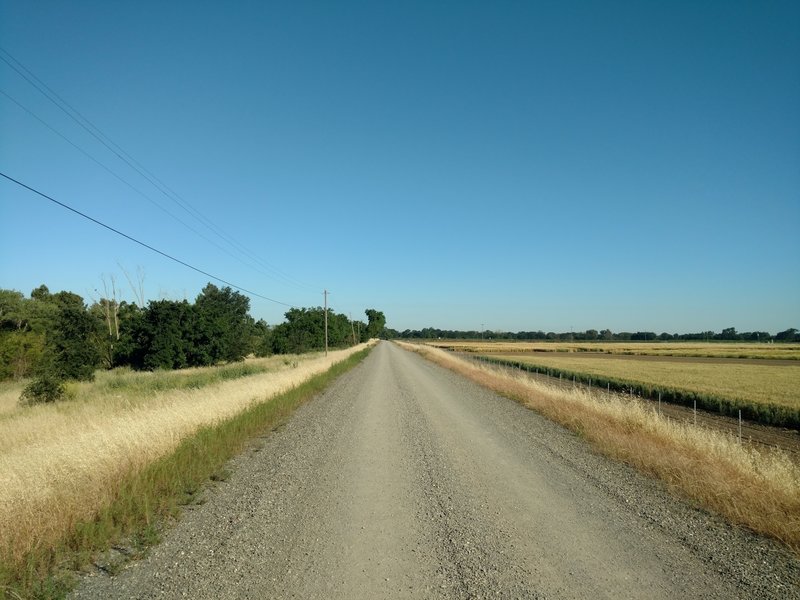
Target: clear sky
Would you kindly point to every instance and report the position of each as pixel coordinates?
(511, 165)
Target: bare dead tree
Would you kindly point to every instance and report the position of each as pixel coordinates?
(137, 289)
(111, 306)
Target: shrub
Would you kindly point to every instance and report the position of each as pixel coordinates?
(45, 388)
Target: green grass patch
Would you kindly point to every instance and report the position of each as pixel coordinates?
(144, 382)
(148, 498)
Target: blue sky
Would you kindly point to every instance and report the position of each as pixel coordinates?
(513, 165)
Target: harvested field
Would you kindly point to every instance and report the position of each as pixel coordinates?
(746, 381)
(752, 433)
(766, 389)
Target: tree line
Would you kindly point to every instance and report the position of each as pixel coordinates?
(728, 335)
(56, 337)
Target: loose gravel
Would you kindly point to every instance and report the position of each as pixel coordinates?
(404, 480)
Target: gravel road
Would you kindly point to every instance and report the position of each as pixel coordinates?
(404, 480)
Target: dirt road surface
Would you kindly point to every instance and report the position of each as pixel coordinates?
(403, 480)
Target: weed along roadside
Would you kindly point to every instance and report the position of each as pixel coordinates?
(759, 490)
(40, 554)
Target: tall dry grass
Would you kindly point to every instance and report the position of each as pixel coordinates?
(9, 397)
(60, 463)
(759, 490)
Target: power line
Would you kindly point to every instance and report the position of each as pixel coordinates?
(120, 153)
(149, 247)
(131, 186)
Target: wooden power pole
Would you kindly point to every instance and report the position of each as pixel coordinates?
(325, 293)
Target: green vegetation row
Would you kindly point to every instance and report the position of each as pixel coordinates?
(146, 499)
(768, 414)
(58, 338)
(728, 334)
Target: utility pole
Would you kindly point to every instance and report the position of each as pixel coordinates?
(325, 293)
(353, 329)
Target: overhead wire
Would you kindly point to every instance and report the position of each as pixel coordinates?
(120, 153)
(106, 168)
(95, 132)
(145, 245)
(130, 185)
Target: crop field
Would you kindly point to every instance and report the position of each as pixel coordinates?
(766, 383)
(687, 349)
(767, 390)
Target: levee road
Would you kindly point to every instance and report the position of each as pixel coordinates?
(403, 480)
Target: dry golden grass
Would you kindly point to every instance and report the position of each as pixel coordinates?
(59, 463)
(128, 386)
(688, 349)
(756, 489)
(9, 397)
(764, 383)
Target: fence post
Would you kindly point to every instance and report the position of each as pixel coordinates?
(695, 412)
(740, 426)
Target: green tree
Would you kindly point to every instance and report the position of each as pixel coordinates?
(164, 335)
(261, 338)
(788, 335)
(376, 322)
(41, 293)
(14, 357)
(12, 317)
(223, 324)
(340, 330)
(303, 331)
(71, 345)
(69, 351)
(20, 353)
(24, 323)
(128, 349)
